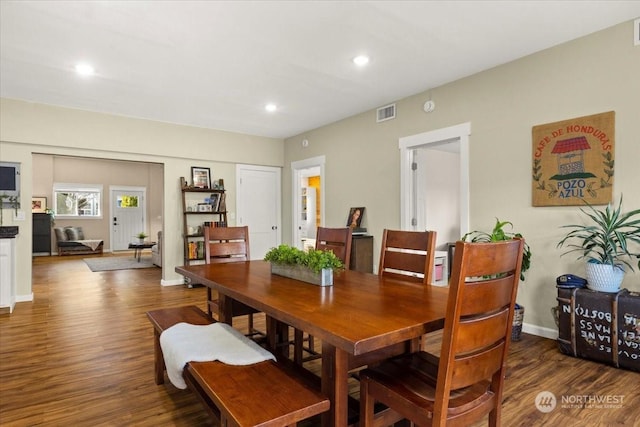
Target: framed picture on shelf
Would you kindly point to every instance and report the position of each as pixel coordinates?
(355, 217)
(205, 207)
(215, 201)
(38, 204)
(201, 177)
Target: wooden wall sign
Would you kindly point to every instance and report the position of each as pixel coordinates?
(573, 161)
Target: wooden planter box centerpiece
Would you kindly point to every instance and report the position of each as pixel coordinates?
(314, 266)
(323, 278)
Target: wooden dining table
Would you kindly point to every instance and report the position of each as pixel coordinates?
(357, 318)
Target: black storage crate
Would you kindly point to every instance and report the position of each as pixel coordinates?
(604, 327)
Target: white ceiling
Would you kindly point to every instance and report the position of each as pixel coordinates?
(215, 64)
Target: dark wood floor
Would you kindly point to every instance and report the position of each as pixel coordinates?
(81, 354)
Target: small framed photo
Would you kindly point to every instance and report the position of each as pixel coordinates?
(201, 177)
(355, 217)
(214, 201)
(38, 204)
(205, 207)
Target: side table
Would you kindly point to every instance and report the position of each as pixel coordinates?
(138, 247)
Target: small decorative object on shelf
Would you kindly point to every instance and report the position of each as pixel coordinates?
(218, 184)
(314, 266)
(205, 207)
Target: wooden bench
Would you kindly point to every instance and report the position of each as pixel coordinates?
(264, 394)
(164, 319)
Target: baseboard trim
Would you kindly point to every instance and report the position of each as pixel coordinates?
(540, 331)
(24, 298)
(173, 282)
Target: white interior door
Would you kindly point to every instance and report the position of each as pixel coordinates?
(127, 215)
(259, 206)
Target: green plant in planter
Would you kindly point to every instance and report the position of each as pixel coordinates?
(604, 239)
(498, 234)
(315, 260)
(142, 235)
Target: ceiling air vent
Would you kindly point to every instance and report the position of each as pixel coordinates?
(387, 112)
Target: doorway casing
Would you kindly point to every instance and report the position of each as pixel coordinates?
(297, 171)
(458, 134)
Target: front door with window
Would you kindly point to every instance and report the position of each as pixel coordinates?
(127, 216)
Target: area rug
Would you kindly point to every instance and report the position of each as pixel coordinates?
(118, 263)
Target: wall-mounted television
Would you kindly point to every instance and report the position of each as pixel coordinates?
(10, 179)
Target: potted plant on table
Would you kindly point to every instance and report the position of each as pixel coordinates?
(312, 266)
(141, 236)
(499, 234)
(604, 241)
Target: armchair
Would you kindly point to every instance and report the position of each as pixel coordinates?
(156, 251)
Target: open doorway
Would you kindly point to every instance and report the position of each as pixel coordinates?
(435, 182)
(307, 200)
(51, 169)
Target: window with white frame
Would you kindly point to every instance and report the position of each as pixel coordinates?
(77, 200)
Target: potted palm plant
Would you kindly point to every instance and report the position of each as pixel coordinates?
(605, 240)
(500, 234)
(312, 266)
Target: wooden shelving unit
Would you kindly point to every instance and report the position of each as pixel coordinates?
(200, 206)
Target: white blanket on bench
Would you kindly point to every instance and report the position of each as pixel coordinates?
(183, 343)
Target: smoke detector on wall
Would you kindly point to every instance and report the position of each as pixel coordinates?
(429, 106)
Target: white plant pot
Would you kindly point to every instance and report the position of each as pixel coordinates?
(604, 277)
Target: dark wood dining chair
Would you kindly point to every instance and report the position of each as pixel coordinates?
(466, 382)
(338, 241)
(408, 255)
(228, 244)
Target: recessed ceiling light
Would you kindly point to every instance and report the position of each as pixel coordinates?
(84, 69)
(271, 107)
(361, 60)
